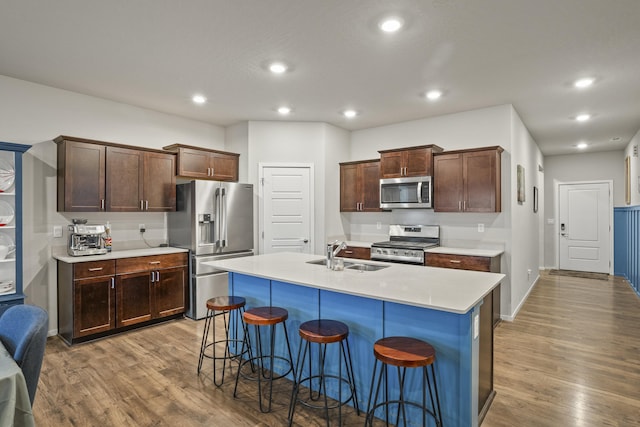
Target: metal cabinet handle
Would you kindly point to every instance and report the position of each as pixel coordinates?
(152, 277)
(102, 204)
(113, 283)
(455, 261)
(95, 269)
(154, 262)
(141, 205)
(464, 205)
(459, 205)
(146, 205)
(348, 252)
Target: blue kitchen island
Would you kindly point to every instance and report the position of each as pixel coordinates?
(441, 306)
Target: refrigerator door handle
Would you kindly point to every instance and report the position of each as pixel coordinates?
(223, 211)
(216, 210)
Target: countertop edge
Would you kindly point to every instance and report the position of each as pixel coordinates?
(128, 253)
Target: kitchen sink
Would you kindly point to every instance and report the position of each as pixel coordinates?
(351, 265)
(366, 267)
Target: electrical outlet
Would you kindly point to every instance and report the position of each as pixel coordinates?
(142, 228)
(378, 225)
(57, 231)
(480, 228)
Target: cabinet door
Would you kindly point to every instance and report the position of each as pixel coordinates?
(447, 183)
(391, 164)
(81, 177)
(350, 195)
(169, 286)
(194, 163)
(225, 167)
(481, 181)
(93, 309)
(159, 182)
(370, 176)
(124, 179)
(418, 162)
(133, 298)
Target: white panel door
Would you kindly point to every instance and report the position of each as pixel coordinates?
(584, 227)
(287, 208)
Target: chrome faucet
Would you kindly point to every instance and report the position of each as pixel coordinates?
(331, 253)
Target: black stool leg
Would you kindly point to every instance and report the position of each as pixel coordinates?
(205, 334)
(352, 377)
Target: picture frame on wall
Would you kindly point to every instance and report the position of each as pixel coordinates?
(535, 199)
(627, 180)
(520, 184)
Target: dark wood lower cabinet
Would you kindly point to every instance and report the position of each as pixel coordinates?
(103, 297)
(93, 306)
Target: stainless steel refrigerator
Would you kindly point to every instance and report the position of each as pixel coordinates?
(214, 220)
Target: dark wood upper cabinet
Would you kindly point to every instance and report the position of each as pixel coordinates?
(410, 161)
(468, 180)
(201, 163)
(81, 176)
(360, 186)
(101, 176)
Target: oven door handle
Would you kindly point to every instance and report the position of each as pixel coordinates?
(419, 192)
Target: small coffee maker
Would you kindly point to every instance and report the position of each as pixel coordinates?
(85, 239)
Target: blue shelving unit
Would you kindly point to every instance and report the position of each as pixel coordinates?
(11, 291)
(626, 244)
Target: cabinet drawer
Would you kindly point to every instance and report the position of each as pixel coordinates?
(355, 252)
(84, 270)
(153, 262)
(462, 262)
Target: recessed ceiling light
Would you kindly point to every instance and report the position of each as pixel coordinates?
(433, 94)
(582, 145)
(278, 67)
(284, 110)
(199, 99)
(349, 114)
(391, 24)
(583, 117)
(585, 82)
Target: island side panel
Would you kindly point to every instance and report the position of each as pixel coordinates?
(255, 290)
(456, 357)
(303, 304)
(364, 318)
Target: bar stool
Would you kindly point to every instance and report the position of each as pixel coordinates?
(403, 353)
(224, 306)
(265, 316)
(323, 332)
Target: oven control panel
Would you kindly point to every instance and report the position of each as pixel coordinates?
(413, 256)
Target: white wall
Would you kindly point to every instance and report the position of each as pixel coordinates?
(300, 142)
(34, 114)
(525, 242)
(635, 169)
(601, 166)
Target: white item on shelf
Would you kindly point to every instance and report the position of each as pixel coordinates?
(7, 287)
(6, 213)
(7, 175)
(6, 250)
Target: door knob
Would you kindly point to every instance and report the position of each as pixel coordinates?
(306, 240)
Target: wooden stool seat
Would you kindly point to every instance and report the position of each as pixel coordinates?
(225, 303)
(404, 352)
(323, 331)
(265, 316)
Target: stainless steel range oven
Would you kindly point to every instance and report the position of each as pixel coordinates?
(406, 243)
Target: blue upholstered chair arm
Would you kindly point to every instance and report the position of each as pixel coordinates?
(23, 332)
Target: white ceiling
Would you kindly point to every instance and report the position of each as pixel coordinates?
(158, 53)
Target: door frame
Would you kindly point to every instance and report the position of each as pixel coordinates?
(556, 240)
(312, 224)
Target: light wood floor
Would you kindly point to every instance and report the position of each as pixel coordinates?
(571, 358)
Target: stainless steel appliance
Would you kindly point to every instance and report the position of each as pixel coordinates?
(406, 243)
(86, 239)
(214, 220)
(404, 193)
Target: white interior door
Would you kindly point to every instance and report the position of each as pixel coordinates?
(287, 209)
(584, 227)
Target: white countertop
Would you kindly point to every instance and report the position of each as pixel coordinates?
(456, 291)
(64, 257)
(490, 253)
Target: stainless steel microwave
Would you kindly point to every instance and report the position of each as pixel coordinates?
(405, 193)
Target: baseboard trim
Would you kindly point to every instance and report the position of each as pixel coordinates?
(512, 317)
